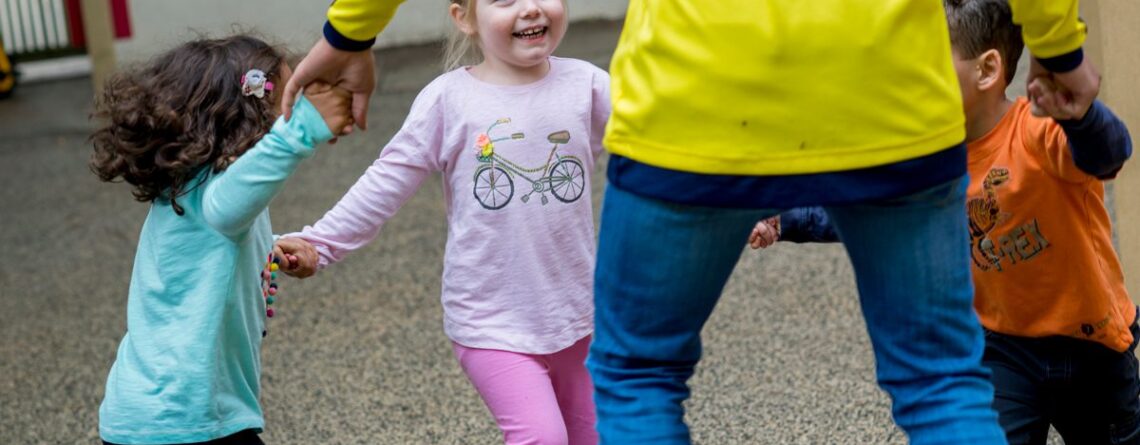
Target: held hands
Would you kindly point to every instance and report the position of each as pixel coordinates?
(298, 258)
(1062, 96)
(352, 70)
(766, 233)
(333, 104)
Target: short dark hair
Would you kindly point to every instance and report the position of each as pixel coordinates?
(181, 112)
(977, 26)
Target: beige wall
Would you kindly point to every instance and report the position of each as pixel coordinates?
(1113, 39)
(159, 24)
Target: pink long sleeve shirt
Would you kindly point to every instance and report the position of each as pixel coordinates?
(516, 164)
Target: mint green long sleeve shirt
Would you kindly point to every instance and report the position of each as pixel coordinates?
(188, 368)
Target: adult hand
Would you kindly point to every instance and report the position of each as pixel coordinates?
(1062, 96)
(351, 70)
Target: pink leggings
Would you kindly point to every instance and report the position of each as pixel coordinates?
(536, 399)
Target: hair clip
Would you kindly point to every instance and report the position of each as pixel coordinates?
(255, 83)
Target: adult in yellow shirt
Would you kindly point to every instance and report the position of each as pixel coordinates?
(727, 112)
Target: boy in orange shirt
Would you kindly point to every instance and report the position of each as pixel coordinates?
(1061, 329)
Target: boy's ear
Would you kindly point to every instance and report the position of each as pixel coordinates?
(459, 18)
(991, 70)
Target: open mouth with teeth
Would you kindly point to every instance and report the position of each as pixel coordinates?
(530, 33)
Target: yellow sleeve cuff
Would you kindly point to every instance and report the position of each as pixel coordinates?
(361, 20)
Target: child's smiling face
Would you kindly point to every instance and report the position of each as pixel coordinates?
(519, 33)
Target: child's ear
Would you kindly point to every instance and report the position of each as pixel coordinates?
(991, 70)
(459, 17)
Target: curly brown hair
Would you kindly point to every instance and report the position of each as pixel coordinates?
(182, 112)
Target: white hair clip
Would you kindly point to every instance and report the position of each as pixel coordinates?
(255, 83)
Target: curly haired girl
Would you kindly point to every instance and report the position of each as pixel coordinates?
(196, 134)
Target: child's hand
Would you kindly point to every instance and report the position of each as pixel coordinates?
(1062, 96)
(1047, 99)
(766, 233)
(296, 257)
(333, 103)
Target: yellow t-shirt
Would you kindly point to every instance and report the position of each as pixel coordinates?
(770, 87)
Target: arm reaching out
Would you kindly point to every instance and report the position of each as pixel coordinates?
(239, 194)
(343, 56)
(799, 225)
(408, 159)
(1054, 34)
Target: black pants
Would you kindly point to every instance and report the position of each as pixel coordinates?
(1089, 393)
(247, 437)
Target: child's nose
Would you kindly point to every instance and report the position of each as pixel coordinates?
(530, 8)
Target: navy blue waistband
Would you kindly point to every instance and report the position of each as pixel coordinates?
(784, 192)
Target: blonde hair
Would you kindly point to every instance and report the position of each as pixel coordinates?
(461, 48)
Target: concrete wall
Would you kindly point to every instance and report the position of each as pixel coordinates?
(160, 24)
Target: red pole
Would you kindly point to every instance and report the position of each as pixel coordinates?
(75, 23)
(120, 19)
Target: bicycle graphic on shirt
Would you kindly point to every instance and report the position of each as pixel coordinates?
(562, 176)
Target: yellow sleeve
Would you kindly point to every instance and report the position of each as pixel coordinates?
(1051, 28)
(361, 19)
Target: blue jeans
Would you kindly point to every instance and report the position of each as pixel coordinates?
(1089, 393)
(661, 269)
